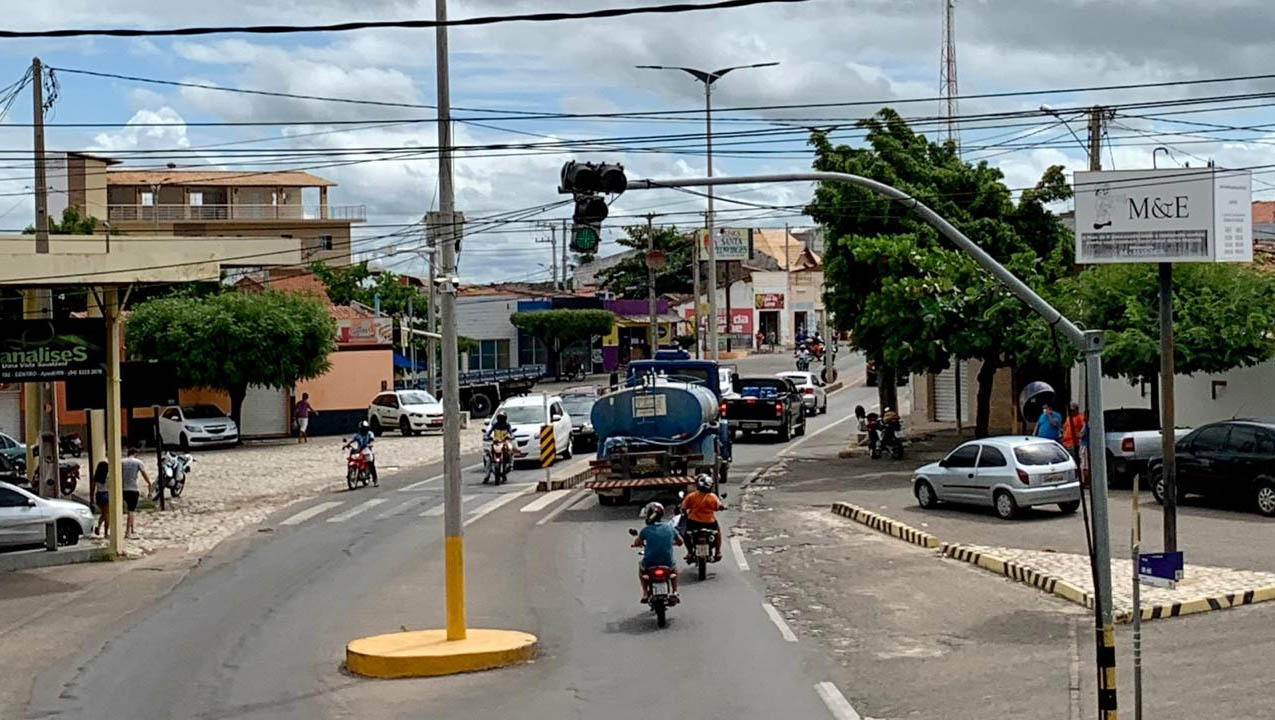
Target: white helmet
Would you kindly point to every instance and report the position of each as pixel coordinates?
(653, 512)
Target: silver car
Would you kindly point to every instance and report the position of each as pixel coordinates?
(1009, 472)
(814, 398)
(23, 517)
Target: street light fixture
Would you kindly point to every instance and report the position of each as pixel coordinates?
(1050, 111)
(708, 78)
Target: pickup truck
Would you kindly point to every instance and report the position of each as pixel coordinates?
(765, 403)
(1132, 439)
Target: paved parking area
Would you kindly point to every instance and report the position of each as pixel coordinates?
(1209, 532)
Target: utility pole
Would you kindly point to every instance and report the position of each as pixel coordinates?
(564, 257)
(454, 530)
(431, 322)
(41, 397)
(654, 329)
(699, 340)
(1105, 640)
(411, 338)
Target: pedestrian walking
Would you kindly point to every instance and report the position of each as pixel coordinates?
(1049, 424)
(130, 468)
(303, 412)
(98, 490)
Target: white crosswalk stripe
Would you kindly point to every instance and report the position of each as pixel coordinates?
(492, 505)
(544, 501)
(311, 512)
(357, 509)
(420, 484)
(437, 510)
(403, 507)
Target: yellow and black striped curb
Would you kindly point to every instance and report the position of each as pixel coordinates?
(1204, 604)
(1018, 572)
(884, 524)
(548, 450)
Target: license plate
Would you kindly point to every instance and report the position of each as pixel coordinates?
(750, 425)
(1055, 478)
(660, 588)
(701, 550)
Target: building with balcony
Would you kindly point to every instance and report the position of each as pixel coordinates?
(226, 203)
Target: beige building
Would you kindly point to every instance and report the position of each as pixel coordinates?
(185, 203)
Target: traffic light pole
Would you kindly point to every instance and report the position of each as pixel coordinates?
(712, 241)
(1089, 342)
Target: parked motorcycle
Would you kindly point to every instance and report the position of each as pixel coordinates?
(660, 581)
(71, 445)
(500, 457)
(68, 476)
(173, 468)
(885, 434)
(358, 466)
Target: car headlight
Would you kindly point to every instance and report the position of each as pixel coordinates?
(417, 415)
(192, 428)
(84, 510)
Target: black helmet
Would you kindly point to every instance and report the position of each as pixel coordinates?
(363, 426)
(500, 415)
(704, 482)
(653, 512)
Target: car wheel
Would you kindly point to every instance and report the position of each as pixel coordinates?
(375, 423)
(1069, 507)
(1115, 478)
(68, 532)
(566, 453)
(405, 426)
(802, 431)
(480, 405)
(785, 433)
(1264, 497)
(925, 496)
(1006, 506)
(184, 442)
(1157, 484)
(824, 410)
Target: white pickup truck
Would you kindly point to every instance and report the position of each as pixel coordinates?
(1132, 440)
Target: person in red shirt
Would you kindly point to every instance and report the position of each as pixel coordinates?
(701, 507)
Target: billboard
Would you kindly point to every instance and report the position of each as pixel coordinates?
(47, 350)
(768, 301)
(365, 331)
(1153, 216)
(143, 383)
(732, 243)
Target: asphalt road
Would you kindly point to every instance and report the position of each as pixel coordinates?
(258, 629)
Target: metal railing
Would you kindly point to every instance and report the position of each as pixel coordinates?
(202, 213)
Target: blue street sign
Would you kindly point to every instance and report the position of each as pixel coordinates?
(1164, 565)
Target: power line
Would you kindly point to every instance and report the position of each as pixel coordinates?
(385, 24)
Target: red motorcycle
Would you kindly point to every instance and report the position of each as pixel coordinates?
(358, 466)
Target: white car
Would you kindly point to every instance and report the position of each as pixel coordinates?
(410, 411)
(1007, 472)
(23, 516)
(190, 425)
(527, 414)
(813, 395)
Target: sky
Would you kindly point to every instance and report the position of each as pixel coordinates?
(871, 52)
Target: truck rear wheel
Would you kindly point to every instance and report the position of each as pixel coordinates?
(480, 405)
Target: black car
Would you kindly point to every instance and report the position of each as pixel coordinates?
(1232, 459)
(579, 405)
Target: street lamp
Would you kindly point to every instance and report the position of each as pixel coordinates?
(1050, 111)
(708, 78)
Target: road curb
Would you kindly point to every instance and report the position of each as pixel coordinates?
(428, 653)
(1205, 604)
(1019, 573)
(569, 481)
(884, 524)
(31, 559)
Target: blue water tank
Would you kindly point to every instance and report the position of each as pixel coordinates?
(667, 412)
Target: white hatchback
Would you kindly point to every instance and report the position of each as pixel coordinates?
(188, 426)
(408, 411)
(23, 517)
(1007, 472)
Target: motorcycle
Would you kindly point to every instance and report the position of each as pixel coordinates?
(70, 445)
(358, 466)
(699, 548)
(660, 581)
(883, 435)
(500, 457)
(173, 468)
(803, 359)
(68, 476)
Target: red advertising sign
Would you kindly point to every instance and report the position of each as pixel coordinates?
(769, 301)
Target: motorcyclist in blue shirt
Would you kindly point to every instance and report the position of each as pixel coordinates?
(361, 441)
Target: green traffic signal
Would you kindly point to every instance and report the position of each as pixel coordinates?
(584, 239)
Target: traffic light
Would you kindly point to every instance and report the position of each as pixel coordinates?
(585, 239)
(586, 234)
(579, 178)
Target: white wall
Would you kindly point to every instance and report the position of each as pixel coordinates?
(1248, 392)
(486, 317)
(776, 282)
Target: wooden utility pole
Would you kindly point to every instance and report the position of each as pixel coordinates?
(650, 283)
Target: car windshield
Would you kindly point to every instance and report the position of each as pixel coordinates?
(202, 412)
(525, 415)
(579, 406)
(416, 397)
(1040, 454)
(797, 378)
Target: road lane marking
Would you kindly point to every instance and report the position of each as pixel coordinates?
(813, 435)
(437, 510)
(568, 504)
(837, 703)
(784, 631)
(544, 501)
(361, 507)
(311, 512)
(738, 551)
(491, 506)
(403, 507)
(436, 478)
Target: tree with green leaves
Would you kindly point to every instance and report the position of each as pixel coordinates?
(559, 328)
(74, 222)
(628, 278)
(910, 300)
(358, 283)
(233, 339)
(1224, 318)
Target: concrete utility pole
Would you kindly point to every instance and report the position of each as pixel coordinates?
(564, 258)
(431, 323)
(1089, 342)
(454, 567)
(699, 340)
(654, 329)
(41, 398)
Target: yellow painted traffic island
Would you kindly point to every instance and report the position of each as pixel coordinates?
(427, 653)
